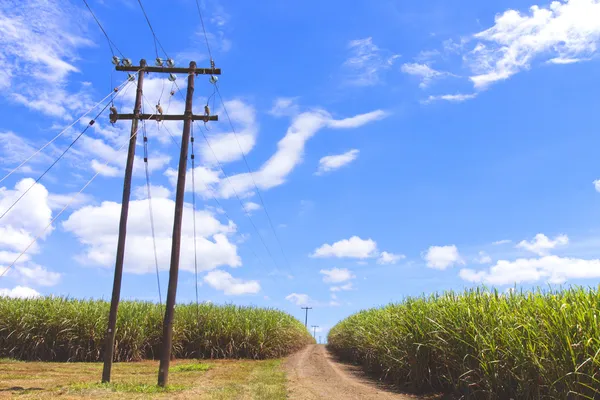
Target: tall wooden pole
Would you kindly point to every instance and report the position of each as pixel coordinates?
(306, 317)
(165, 352)
(116, 292)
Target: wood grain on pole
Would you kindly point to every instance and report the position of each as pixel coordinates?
(165, 351)
(116, 292)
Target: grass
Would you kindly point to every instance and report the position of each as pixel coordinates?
(482, 344)
(59, 329)
(191, 367)
(125, 387)
(217, 379)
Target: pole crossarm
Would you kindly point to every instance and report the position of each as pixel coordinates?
(154, 117)
(172, 70)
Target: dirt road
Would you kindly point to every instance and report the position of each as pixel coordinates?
(314, 374)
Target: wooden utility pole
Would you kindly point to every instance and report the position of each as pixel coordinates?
(116, 292)
(306, 317)
(315, 331)
(165, 351)
(187, 117)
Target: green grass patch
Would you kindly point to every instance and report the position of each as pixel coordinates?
(482, 344)
(127, 387)
(60, 329)
(268, 382)
(191, 367)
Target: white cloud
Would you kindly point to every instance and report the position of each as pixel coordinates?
(562, 31)
(336, 275)
(96, 228)
(299, 299)
(355, 247)
(37, 274)
(290, 151)
(104, 169)
(156, 191)
(483, 258)
(500, 242)
(442, 257)
(14, 149)
(423, 71)
(552, 268)
(58, 201)
(205, 181)
(366, 62)
(333, 162)
(38, 47)
(597, 185)
(284, 106)
(453, 98)
(27, 218)
(223, 281)
(347, 286)
(389, 258)
(19, 292)
(541, 244)
(226, 145)
(250, 206)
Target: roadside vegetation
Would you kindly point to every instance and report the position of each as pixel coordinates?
(482, 344)
(189, 379)
(60, 329)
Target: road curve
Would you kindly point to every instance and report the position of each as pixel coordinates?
(314, 374)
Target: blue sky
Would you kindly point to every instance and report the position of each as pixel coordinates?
(399, 148)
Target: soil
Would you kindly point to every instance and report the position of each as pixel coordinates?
(313, 373)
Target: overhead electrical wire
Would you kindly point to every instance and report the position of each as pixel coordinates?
(192, 156)
(62, 132)
(204, 29)
(239, 199)
(145, 139)
(152, 30)
(111, 44)
(91, 123)
(238, 142)
(117, 155)
(219, 204)
(262, 202)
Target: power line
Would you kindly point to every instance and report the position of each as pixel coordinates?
(234, 191)
(239, 199)
(62, 132)
(91, 123)
(193, 156)
(204, 30)
(111, 44)
(219, 204)
(150, 206)
(67, 205)
(152, 30)
(252, 177)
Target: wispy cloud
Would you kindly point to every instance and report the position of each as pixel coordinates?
(333, 162)
(39, 40)
(366, 62)
(425, 72)
(453, 98)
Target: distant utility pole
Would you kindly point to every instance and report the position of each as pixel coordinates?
(315, 330)
(306, 317)
(187, 117)
(116, 292)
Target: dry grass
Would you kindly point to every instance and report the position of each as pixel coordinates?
(218, 379)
